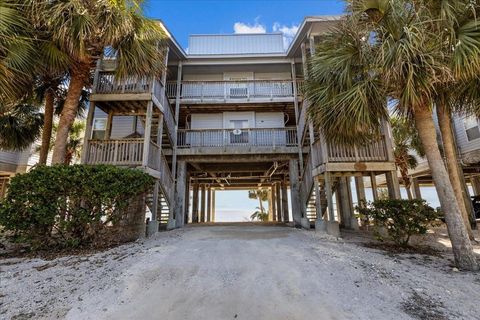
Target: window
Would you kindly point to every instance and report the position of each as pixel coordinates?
(471, 128)
(99, 126)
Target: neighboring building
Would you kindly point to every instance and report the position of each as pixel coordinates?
(13, 162)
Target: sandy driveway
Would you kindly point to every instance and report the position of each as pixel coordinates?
(241, 272)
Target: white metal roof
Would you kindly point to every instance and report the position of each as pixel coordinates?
(236, 44)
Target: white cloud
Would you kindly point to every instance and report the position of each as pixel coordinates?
(240, 27)
(288, 32)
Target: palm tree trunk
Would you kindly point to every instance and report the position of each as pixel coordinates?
(451, 160)
(47, 126)
(409, 192)
(79, 76)
(461, 245)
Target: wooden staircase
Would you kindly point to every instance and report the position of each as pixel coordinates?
(311, 211)
(166, 141)
(163, 208)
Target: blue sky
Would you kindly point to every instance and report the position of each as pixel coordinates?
(185, 17)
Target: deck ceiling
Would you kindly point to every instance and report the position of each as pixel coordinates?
(238, 176)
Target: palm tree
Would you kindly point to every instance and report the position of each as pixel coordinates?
(84, 29)
(457, 22)
(386, 49)
(17, 52)
(20, 126)
(259, 215)
(261, 195)
(405, 140)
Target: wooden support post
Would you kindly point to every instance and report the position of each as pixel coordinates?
(297, 114)
(360, 188)
(155, 207)
(108, 128)
(285, 213)
(329, 194)
(177, 117)
(187, 200)
(213, 205)
(195, 203)
(279, 201)
(209, 204)
(147, 134)
(393, 185)
(202, 203)
(88, 131)
(373, 182)
(297, 206)
(274, 202)
(416, 189)
(180, 194)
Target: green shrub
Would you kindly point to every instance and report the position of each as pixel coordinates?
(400, 218)
(69, 205)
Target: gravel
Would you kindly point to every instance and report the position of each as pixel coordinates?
(240, 272)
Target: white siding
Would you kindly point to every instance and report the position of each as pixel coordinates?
(272, 75)
(9, 157)
(461, 136)
(207, 121)
(123, 126)
(269, 120)
(203, 77)
(247, 115)
(233, 44)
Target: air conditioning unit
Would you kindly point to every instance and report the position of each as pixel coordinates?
(239, 92)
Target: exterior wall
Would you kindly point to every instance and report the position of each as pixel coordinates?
(236, 44)
(462, 141)
(222, 76)
(122, 126)
(222, 120)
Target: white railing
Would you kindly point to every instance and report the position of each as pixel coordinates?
(374, 151)
(307, 178)
(129, 152)
(108, 83)
(124, 152)
(168, 114)
(250, 89)
(258, 137)
(166, 178)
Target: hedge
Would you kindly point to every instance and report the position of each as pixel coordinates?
(71, 206)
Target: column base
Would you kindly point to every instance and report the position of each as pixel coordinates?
(354, 224)
(152, 228)
(172, 224)
(305, 223)
(320, 226)
(333, 228)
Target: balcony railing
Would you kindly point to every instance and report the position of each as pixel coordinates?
(129, 152)
(374, 151)
(274, 137)
(108, 83)
(231, 90)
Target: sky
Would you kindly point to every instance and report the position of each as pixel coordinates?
(185, 17)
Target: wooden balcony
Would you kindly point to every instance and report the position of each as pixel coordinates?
(132, 91)
(233, 91)
(334, 157)
(129, 153)
(221, 141)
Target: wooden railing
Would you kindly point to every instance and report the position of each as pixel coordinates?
(307, 178)
(374, 151)
(122, 152)
(108, 83)
(250, 89)
(302, 119)
(258, 137)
